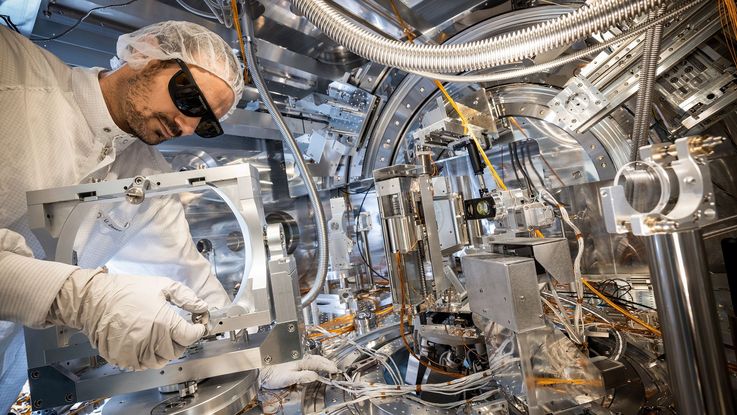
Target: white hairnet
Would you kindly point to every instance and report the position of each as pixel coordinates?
(190, 42)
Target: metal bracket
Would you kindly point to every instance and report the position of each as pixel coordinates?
(681, 172)
(579, 101)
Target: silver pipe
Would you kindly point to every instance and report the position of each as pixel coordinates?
(693, 344)
(648, 76)
(594, 17)
(575, 56)
(322, 238)
(367, 254)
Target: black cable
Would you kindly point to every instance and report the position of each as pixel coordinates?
(520, 149)
(527, 150)
(725, 191)
(501, 164)
(81, 19)
(442, 152)
(523, 169)
(619, 301)
(514, 165)
(358, 240)
(9, 22)
(346, 191)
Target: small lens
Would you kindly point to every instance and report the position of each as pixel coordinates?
(482, 207)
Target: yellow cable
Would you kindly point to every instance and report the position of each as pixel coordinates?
(467, 129)
(410, 38)
(620, 309)
(519, 127)
(557, 381)
(237, 24)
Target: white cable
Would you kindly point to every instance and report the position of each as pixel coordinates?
(378, 357)
(577, 285)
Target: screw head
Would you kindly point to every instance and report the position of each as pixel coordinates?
(295, 354)
(267, 359)
(291, 328)
(35, 374)
(68, 397)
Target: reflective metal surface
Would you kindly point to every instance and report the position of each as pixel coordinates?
(385, 149)
(223, 395)
(693, 343)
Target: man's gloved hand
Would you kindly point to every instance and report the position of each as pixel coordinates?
(129, 319)
(295, 373)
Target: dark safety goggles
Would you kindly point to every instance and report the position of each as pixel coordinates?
(190, 101)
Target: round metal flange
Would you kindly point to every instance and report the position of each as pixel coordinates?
(222, 395)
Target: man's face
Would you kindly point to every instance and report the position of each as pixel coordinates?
(150, 111)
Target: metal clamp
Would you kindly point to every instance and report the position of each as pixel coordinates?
(136, 192)
(677, 180)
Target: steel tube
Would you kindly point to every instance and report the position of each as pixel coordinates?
(367, 254)
(693, 344)
(320, 222)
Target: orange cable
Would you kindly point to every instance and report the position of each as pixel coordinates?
(237, 24)
(620, 309)
(451, 101)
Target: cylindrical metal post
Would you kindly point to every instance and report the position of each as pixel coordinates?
(367, 256)
(687, 312)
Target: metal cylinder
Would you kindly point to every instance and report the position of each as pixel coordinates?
(686, 308)
(369, 281)
(362, 324)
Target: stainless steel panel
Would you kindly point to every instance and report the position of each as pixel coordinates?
(504, 290)
(222, 395)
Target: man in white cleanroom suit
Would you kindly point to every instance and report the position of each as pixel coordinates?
(62, 126)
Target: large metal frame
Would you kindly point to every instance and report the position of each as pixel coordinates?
(268, 294)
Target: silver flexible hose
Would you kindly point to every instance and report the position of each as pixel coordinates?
(648, 75)
(518, 73)
(498, 50)
(322, 232)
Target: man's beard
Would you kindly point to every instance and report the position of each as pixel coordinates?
(139, 87)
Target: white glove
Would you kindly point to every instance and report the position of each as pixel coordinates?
(295, 373)
(128, 318)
